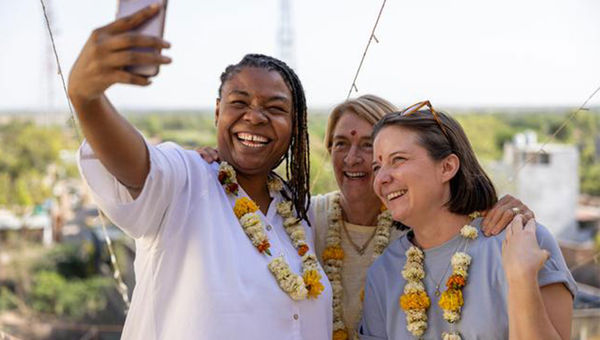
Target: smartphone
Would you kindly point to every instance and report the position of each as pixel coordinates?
(154, 27)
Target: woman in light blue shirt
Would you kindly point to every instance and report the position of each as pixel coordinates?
(441, 280)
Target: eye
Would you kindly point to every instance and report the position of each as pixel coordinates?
(339, 144)
(277, 109)
(398, 159)
(375, 168)
(238, 104)
(367, 145)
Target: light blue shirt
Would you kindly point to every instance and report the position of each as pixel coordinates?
(484, 314)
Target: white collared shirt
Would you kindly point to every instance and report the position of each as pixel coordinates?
(198, 275)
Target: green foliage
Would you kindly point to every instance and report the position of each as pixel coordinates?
(487, 134)
(76, 298)
(27, 151)
(8, 300)
(69, 260)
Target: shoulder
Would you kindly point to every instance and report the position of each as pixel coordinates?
(391, 259)
(319, 208)
(321, 200)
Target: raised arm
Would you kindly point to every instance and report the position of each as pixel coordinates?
(101, 64)
(534, 312)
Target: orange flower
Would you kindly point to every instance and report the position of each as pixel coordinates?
(455, 282)
(264, 247)
(418, 300)
(333, 253)
(340, 334)
(243, 206)
(452, 299)
(312, 281)
(302, 249)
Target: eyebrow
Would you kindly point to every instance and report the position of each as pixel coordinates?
(271, 99)
(391, 155)
(278, 98)
(243, 93)
(344, 137)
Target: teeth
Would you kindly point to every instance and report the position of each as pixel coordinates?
(253, 138)
(395, 194)
(355, 174)
(252, 144)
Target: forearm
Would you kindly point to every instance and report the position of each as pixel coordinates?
(527, 315)
(116, 143)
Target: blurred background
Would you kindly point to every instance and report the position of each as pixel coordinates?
(516, 74)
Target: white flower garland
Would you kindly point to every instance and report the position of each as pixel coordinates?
(333, 256)
(298, 287)
(415, 302)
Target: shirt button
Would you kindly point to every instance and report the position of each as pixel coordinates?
(269, 227)
(296, 316)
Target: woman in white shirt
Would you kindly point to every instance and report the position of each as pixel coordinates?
(223, 251)
(349, 226)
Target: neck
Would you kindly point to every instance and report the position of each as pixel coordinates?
(256, 187)
(438, 228)
(363, 212)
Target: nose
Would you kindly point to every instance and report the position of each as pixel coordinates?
(255, 116)
(382, 178)
(353, 156)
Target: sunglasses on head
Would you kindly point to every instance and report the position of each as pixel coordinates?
(416, 107)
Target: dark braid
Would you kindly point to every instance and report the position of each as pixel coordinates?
(297, 163)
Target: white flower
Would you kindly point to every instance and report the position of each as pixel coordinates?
(414, 254)
(229, 170)
(274, 184)
(338, 325)
(460, 259)
(310, 262)
(451, 336)
(413, 287)
(417, 328)
(284, 208)
(469, 232)
(413, 272)
(415, 315)
(290, 222)
(451, 316)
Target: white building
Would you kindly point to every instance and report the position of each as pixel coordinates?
(547, 181)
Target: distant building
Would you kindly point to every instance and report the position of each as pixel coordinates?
(547, 181)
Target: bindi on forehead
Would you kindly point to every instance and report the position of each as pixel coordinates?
(353, 132)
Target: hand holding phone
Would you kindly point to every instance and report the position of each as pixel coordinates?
(153, 27)
(110, 49)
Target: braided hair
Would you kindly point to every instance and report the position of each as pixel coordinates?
(297, 163)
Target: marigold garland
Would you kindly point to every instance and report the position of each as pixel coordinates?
(415, 302)
(333, 257)
(298, 287)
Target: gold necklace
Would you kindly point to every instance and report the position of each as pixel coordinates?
(359, 249)
(333, 259)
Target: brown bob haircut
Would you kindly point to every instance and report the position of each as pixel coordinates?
(368, 107)
(471, 189)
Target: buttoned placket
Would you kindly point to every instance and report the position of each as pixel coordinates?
(269, 221)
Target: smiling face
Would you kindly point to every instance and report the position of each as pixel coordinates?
(408, 181)
(352, 154)
(254, 120)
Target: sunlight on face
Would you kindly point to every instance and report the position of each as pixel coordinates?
(351, 155)
(407, 180)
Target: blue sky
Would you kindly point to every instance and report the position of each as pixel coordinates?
(455, 53)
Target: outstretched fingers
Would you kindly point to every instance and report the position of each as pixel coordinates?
(132, 21)
(126, 58)
(128, 40)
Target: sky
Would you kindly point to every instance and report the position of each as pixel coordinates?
(454, 53)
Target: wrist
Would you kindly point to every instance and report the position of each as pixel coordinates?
(522, 278)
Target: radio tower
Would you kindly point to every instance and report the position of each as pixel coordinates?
(285, 34)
